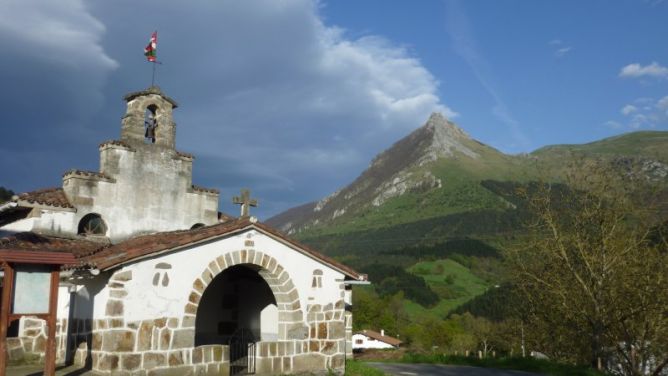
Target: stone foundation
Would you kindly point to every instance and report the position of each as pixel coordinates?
(30, 344)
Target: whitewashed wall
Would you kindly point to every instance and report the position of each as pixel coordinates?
(368, 343)
(145, 301)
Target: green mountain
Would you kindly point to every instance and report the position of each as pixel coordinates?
(429, 216)
(438, 183)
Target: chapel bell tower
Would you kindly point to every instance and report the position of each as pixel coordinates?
(148, 119)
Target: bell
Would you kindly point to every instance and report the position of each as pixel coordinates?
(150, 132)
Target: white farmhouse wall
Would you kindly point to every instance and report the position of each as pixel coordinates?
(368, 343)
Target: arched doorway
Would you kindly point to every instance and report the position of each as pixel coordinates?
(237, 299)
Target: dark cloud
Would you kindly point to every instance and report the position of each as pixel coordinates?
(270, 97)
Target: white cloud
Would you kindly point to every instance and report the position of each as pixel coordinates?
(562, 51)
(644, 113)
(628, 109)
(271, 96)
(636, 70)
(662, 104)
(62, 32)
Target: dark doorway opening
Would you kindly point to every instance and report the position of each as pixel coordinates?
(236, 300)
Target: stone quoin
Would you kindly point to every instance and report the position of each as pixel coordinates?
(164, 284)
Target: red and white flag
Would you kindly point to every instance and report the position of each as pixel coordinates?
(151, 50)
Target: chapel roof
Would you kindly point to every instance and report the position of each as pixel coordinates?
(379, 337)
(29, 241)
(139, 247)
(48, 196)
(41, 249)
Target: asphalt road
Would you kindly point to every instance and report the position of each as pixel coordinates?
(443, 370)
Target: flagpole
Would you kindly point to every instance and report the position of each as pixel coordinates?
(153, 76)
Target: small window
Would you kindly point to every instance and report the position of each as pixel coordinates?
(359, 341)
(317, 279)
(197, 225)
(92, 224)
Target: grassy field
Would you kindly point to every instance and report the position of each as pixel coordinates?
(453, 282)
(523, 364)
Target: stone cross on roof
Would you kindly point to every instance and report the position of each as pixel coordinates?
(245, 201)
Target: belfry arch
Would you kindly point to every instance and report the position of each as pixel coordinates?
(220, 310)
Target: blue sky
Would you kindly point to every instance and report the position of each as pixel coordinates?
(294, 98)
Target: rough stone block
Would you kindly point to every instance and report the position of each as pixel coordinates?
(329, 348)
(183, 338)
(39, 344)
(118, 341)
(220, 260)
(338, 362)
(145, 334)
(337, 329)
(97, 341)
(118, 293)
(122, 276)
(218, 354)
(31, 322)
(264, 366)
(165, 338)
(114, 308)
(172, 371)
(315, 363)
(198, 355)
(188, 321)
(191, 309)
(160, 323)
(199, 286)
(106, 362)
(130, 362)
(194, 297)
(322, 330)
(154, 360)
(207, 276)
(175, 358)
(116, 323)
(27, 344)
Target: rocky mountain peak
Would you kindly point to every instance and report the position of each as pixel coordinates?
(446, 139)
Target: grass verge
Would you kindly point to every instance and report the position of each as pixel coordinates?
(357, 368)
(546, 367)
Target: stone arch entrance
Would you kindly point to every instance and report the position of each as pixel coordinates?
(235, 300)
(266, 275)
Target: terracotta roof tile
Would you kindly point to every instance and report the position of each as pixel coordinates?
(29, 241)
(135, 248)
(377, 336)
(206, 190)
(224, 217)
(117, 142)
(49, 196)
(184, 154)
(87, 173)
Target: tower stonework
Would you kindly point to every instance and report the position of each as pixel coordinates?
(133, 125)
(142, 186)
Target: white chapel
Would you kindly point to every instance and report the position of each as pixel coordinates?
(156, 281)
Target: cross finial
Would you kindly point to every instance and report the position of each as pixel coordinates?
(245, 201)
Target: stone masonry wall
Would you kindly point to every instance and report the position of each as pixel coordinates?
(162, 346)
(30, 344)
